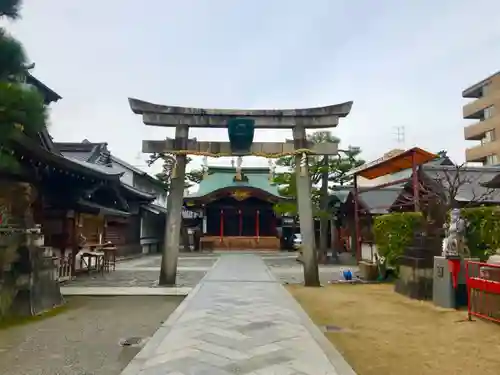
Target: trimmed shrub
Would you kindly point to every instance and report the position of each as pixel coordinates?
(394, 232)
(483, 230)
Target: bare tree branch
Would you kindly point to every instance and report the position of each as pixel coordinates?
(451, 181)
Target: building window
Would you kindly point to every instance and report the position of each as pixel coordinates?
(491, 160)
(488, 112)
(488, 137)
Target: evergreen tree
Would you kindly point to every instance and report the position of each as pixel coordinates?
(324, 171)
(22, 113)
(21, 108)
(336, 167)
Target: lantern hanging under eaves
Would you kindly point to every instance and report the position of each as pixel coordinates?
(241, 132)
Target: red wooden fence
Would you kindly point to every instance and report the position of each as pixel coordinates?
(483, 290)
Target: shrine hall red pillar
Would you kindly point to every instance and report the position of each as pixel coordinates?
(240, 224)
(257, 225)
(221, 225)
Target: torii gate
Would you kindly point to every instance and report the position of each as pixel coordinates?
(182, 118)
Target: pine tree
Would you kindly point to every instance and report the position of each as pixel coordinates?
(21, 108)
(324, 171)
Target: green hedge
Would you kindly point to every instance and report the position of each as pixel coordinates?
(483, 230)
(394, 232)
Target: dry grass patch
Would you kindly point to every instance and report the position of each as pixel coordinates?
(386, 333)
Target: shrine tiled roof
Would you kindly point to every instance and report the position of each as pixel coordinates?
(469, 184)
(96, 167)
(375, 201)
(223, 177)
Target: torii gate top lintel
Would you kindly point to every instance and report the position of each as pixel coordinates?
(170, 116)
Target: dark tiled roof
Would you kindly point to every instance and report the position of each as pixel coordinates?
(375, 201)
(81, 156)
(379, 201)
(102, 209)
(340, 194)
(49, 95)
(138, 192)
(56, 159)
(96, 167)
(96, 153)
(97, 156)
(470, 181)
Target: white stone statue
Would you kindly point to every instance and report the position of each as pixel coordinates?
(454, 243)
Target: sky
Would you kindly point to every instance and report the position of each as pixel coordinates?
(403, 63)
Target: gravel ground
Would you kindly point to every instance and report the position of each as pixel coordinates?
(282, 263)
(296, 276)
(156, 262)
(289, 271)
(84, 340)
(133, 278)
(284, 267)
(130, 277)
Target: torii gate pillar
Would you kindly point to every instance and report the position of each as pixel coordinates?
(304, 205)
(173, 223)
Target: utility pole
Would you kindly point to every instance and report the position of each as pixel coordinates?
(400, 135)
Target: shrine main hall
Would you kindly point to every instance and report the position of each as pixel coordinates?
(235, 209)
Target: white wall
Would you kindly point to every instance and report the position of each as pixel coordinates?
(139, 182)
(161, 195)
(161, 200)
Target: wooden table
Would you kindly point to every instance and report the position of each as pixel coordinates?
(104, 253)
(89, 255)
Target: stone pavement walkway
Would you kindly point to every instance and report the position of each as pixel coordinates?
(238, 320)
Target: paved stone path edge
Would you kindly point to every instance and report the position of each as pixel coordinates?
(124, 291)
(335, 358)
(135, 365)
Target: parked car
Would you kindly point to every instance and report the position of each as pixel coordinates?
(297, 241)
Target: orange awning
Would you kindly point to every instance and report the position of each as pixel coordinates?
(394, 163)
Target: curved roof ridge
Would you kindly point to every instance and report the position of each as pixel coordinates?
(96, 167)
(217, 181)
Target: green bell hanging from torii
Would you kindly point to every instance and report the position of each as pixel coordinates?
(240, 132)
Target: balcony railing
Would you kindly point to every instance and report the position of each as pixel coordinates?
(475, 131)
(474, 109)
(479, 153)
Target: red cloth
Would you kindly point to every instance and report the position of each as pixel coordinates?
(454, 265)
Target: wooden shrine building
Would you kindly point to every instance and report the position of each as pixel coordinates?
(235, 211)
